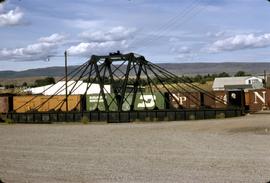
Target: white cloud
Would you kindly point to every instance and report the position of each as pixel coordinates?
(183, 53)
(239, 42)
(31, 52)
(37, 51)
(103, 42)
(185, 57)
(54, 38)
(87, 49)
(182, 50)
(174, 39)
(83, 24)
(10, 18)
(216, 34)
(115, 34)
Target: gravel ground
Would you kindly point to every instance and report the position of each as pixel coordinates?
(228, 150)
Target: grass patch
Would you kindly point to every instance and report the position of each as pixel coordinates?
(220, 116)
(85, 120)
(191, 117)
(9, 121)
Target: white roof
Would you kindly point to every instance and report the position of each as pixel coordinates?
(74, 88)
(221, 82)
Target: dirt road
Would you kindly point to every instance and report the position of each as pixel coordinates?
(229, 150)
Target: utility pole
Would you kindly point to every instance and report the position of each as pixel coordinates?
(265, 79)
(66, 81)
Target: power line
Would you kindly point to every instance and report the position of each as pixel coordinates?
(192, 15)
(171, 23)
(172, 19)
(185, 19)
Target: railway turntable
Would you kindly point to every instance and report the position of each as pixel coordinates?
(127, 88)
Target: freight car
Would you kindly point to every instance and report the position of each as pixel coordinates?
(143, 101)
(6, 105)
(162, 101)
(257, 100)
(216, 100)
(187, 100)
(252, 100)
(42, 103)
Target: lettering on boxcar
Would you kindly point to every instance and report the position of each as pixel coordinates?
(95, 99)
(148, 101)
(180, 99)
(221, 97)
(262, 97)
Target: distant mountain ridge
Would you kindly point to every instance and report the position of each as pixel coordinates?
(177, 68)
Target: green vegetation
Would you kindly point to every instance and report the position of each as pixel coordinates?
(43, 82)
(10, 86)
(201, 79)
(9, 121)
(85, 120)
(241, 73)
(24, 84)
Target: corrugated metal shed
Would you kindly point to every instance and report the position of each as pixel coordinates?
(219, 83)
(74, 88)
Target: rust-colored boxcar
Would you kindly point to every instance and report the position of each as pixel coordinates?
(247, 98)
(221, 99)
(46, 103)
(4, 104)
(259, 100)
(188, 100)
(214, 99)
(208, 100)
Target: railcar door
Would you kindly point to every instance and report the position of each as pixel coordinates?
(236, 98)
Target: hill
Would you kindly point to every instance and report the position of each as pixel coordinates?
(177, 68)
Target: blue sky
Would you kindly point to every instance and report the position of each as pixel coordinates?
(163, 31)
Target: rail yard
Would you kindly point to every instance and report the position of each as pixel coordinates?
(121, 95)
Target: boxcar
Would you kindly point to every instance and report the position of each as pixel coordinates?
(221, 99)
(6, 103)
(96, 102)
(45, 103)
(149, 101)
(208, 100)
(142, 101)
(258, 100)
(185, 100)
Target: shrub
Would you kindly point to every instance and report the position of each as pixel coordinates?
(85, 120)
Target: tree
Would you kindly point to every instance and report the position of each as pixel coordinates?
(46, 81)
(202, 81)
(223, 74)
(198, 78)
(24, 84)
(241, 73)
(10, 86)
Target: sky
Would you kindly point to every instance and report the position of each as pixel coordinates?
(35, 34)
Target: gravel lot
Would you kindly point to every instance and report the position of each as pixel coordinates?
(229, 150)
